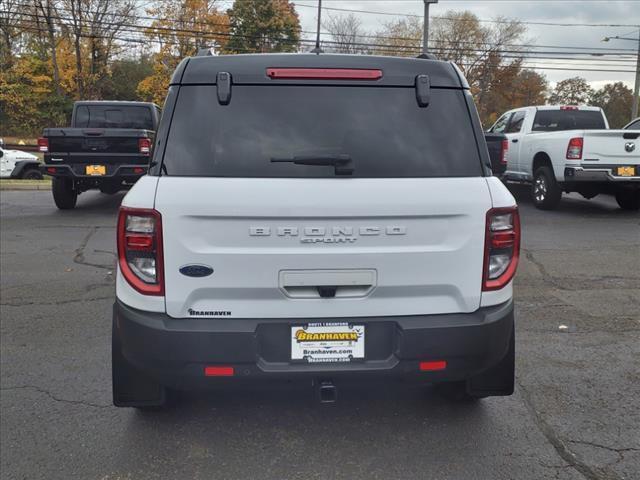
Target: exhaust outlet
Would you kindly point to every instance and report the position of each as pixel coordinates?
(327, 392)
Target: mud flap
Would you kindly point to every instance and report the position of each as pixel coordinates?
(498, 380)
(130, 387)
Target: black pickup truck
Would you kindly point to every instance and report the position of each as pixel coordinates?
(107, 147)
(498, 145)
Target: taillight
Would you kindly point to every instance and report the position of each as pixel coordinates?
(43, 144)
(502, 247)
(140, 249)
(324, 73)
(574, 150)
(503, 153)
(144, 146)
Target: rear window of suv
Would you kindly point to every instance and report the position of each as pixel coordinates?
(382, 130)
(113, 116)
(559, 120)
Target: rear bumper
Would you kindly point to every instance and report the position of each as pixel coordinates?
(599, 173)
(114, 172)
(175, 351)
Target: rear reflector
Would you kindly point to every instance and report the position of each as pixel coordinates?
(323, 74)
(138, 170)
(51, 169)
(433, 366)
(218, 371)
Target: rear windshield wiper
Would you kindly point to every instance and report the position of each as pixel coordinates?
(343, 164)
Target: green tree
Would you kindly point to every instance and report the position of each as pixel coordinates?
(126, 74)
(263, 26)
(572, 91)
(615, 99)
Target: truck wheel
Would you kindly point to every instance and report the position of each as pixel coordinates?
(545, 191)
(130, 387)
(628, 199)
(64, 195)
(32, 174)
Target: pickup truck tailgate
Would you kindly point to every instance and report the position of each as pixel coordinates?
(611, 147)
(105, 146)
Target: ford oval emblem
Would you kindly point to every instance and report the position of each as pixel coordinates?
(196, 270)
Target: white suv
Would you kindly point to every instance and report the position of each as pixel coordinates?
(326, 218)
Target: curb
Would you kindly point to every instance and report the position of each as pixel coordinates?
(44, 186)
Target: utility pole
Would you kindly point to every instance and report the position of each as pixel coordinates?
(425, 30)
(636, 88)
(318, 49)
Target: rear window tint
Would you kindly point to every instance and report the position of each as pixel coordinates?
(113, 116)
(559, 120)
(382, 130)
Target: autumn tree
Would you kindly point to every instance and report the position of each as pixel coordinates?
(572, 91)
(615, 99)
(95, 24)
(401, 37)
(346, 34)
(263, 26)
(10, 20)
(181, 29)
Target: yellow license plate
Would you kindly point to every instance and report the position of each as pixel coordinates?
(626, 171)
(96, 170)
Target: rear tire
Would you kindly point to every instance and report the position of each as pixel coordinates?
(545, 191)
(628, 199)
(130, 387)
(32, 174)
(64, 196)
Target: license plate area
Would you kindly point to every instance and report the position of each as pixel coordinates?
(626, 171)
(327, 343)
(95, 170)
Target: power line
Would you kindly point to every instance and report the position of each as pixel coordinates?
(397, 14)
(203, 35)
(210, 24)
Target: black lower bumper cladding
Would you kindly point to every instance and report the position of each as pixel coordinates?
(176, 352)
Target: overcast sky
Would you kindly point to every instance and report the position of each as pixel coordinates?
(571, 12)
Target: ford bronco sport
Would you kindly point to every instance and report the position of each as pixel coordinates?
(326, 218)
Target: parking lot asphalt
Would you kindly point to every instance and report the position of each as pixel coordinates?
(575, 413)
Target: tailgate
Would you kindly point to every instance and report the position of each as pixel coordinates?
(96, 146)
(283, 248)
(611, 147)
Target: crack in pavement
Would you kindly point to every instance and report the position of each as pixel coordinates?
(577, 463)
(79, 257)
(60, 302)
(53, 397)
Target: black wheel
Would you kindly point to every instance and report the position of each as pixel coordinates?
(130, 387)
(32, 174)
(545, 191)
(628, 199)
(64, 195)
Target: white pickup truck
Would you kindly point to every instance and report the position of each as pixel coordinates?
(570, 149)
